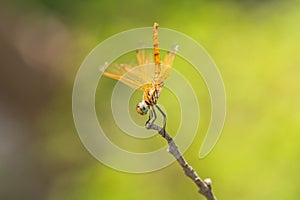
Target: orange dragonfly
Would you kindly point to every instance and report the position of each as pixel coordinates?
(148, 75)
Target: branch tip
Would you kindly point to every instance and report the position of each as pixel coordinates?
(207, 181)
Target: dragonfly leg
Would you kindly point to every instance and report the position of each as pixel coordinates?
(150, 116)
(154, 113)
(164, 116)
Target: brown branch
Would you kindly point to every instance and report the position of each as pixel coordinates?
(204, 186)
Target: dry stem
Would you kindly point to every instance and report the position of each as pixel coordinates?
(205, 187)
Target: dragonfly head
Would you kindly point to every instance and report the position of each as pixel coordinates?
(142, 108)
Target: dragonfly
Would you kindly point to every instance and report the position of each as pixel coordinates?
(147, 75)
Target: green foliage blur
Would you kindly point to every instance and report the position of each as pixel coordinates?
(255, 45)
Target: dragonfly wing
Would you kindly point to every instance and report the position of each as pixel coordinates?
(138, 77)
(124, 80)
(166, 67)
(142, 75)
(144, 57)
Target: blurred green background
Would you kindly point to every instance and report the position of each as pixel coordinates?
(256, 46)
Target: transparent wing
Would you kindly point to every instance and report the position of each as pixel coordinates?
(166, 66)
(119, 76)
(138, 75)
(144, 56)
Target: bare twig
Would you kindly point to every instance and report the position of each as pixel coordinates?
(204, 186)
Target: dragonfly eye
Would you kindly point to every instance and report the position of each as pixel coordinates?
(142, 108)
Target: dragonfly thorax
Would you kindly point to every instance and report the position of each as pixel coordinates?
(150, 98)
(151, 94)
